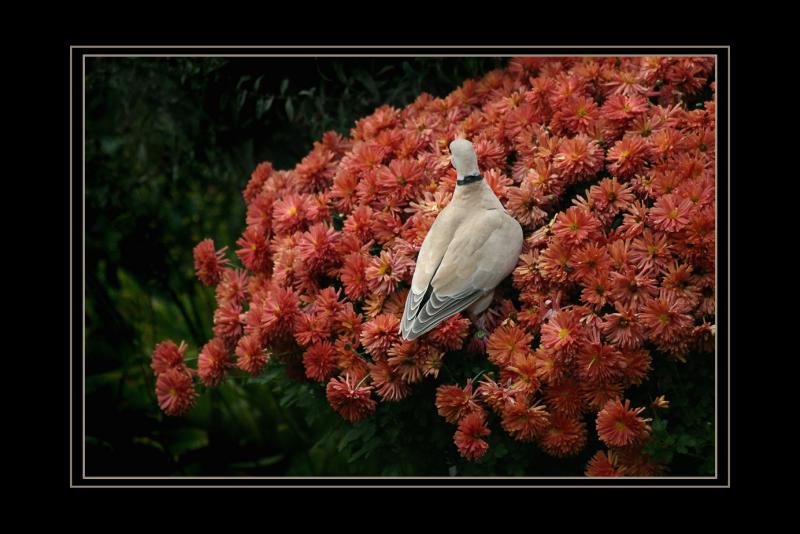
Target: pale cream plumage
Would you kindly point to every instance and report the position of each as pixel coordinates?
(471, 247)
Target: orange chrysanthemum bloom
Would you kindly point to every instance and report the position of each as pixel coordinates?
(213, 362)
(251, 354)
(566, 436)
(379, 334)
(350, 399)
(507, 342)
(468, 436)
(455, 403)
(618, 425)
(167, 355)
(175, 392)
(208, 262)
(605, 464)
(319, 361)
(523, 422)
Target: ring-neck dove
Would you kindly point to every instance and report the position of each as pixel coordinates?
(471, 247)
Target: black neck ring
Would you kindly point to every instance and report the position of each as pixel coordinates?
(469, 179)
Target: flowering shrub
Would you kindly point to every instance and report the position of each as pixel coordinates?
(609, 170)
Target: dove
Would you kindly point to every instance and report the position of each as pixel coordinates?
(471, 247)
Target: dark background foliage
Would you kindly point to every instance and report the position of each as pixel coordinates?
(170, 144)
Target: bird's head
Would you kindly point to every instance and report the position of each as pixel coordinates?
(463, 157)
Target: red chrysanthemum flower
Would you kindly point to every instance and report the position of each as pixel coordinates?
(564, 397)
(628, 156)
(604, 464)
(350, 399)
(455, 403)
(576, 225)
(562, 332)
(343, 192)
(554, 262)
(468, 436)
(633, 220)
(670, 213)
(208, 262)
(315, 171)
(591, 261)
(317, 248)
(599, 362)
(213, 363)
(289, 213)
(631, 288)
(524, 204)
(387, 271)
(575, 115)
(566, 436)
(257, 180)
(353, 275)
(359, 223)
(279, 312)
(610, 195)
(406, 358)
(251, 356)
(523, 422)
(259, 212)
(175, 392)
(551, 367)
(167, 355)
(623, 328)
(389, 383)
(637, 365)
(379, 334)
(227, 324)
(401, 178)
(233, 287)
(665, 317)
(618, 425)
(506, 343)
(578, 158)
(624, 107)
(255, 252)
(595, 289)
(319, 361)
(450, 334)
(597, 395)
(349, 361)
(497, 395)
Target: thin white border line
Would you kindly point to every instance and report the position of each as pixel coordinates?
(410, 486)
(729, 64)
(373, 55)
(83, 245)
(83, 382)
(390, 47)
(375, 477)
(71, 274)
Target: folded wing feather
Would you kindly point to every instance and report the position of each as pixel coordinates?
(477, 259)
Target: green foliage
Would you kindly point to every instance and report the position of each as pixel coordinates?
(683, 435)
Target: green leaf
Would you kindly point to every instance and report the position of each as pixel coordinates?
(340, 73)
(368, 83)
(289, 109)
(284, 86)
(262, 462)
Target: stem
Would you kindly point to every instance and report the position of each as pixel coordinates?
(478, 375)
(362, 380)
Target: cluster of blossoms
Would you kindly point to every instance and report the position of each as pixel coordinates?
(624, 273)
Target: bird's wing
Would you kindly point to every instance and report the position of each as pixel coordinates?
(482, 252)
(429, 258)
